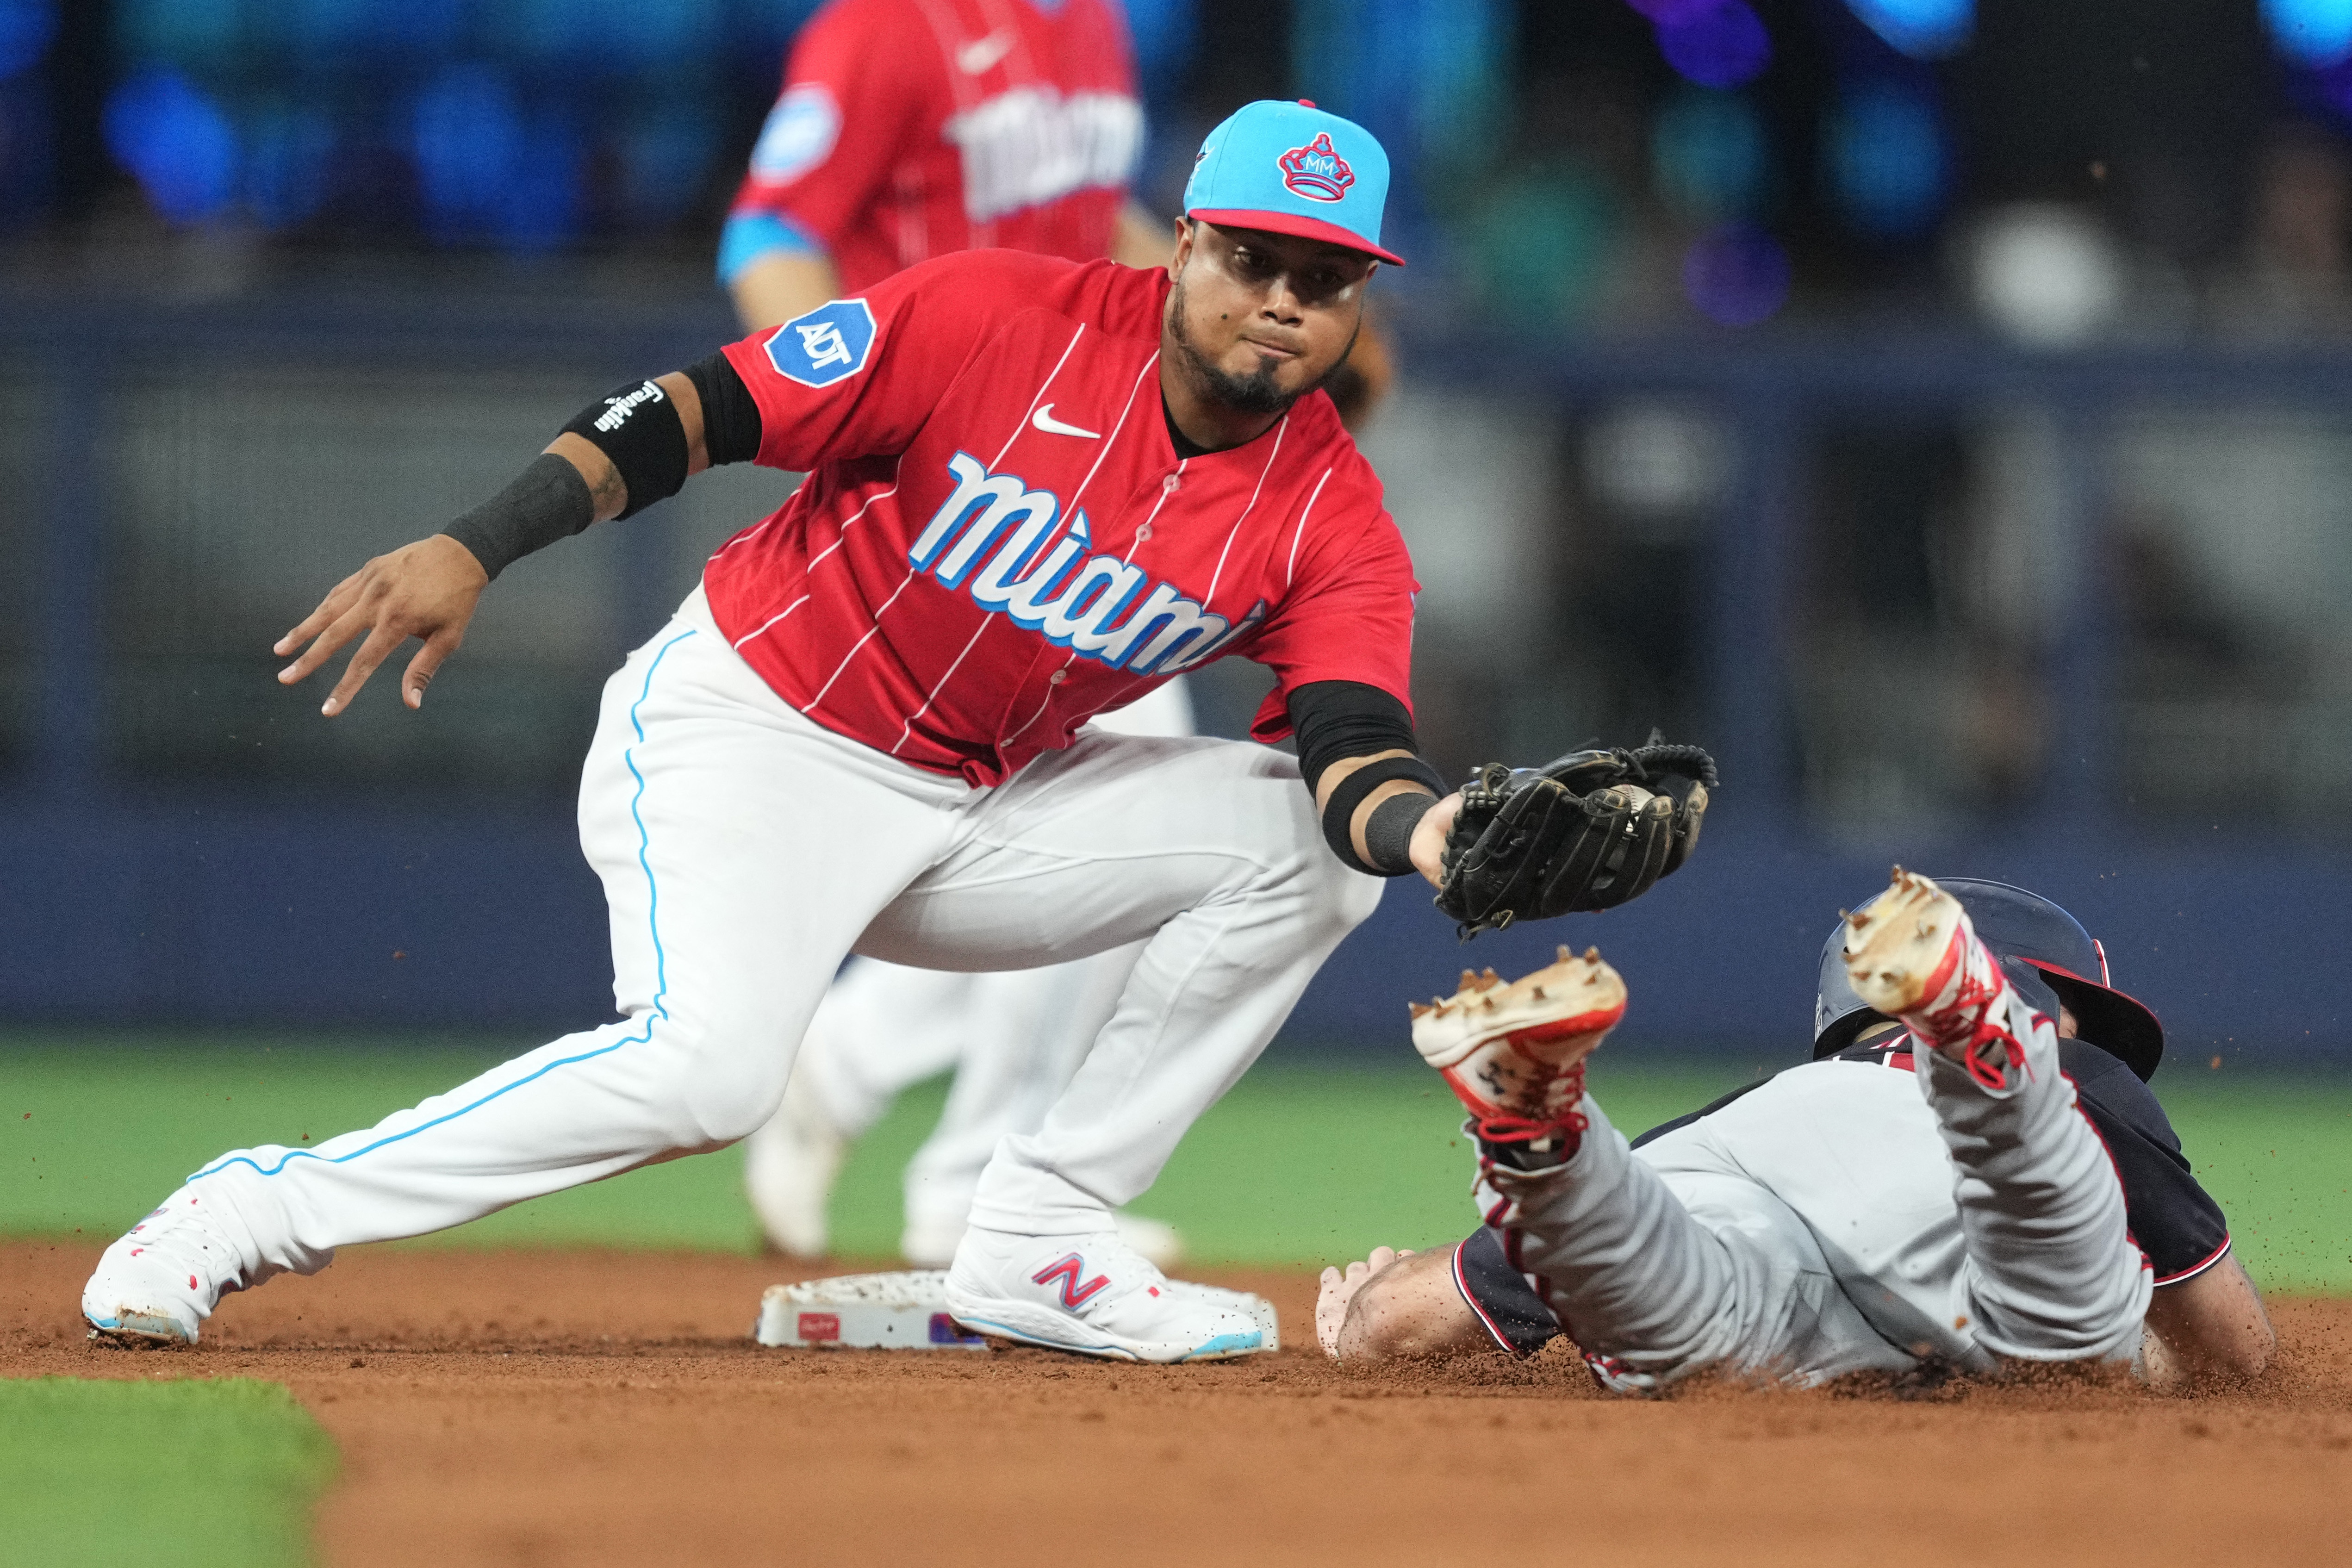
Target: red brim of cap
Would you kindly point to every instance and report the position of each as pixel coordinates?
(1296, 225)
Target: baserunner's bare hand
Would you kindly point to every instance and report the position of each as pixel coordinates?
(426, 590)
(1336, 1290)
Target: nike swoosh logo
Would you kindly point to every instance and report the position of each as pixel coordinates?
(977, 55)
(1043, 420)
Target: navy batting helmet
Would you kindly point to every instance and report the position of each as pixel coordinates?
(2046, 954)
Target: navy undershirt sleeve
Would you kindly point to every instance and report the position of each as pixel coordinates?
(1495, 1289)
(2173, 1218)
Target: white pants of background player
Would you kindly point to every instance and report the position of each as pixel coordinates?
(745, 850)
(1846, 1217)
(1014, 1040)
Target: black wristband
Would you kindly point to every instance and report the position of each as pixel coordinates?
(638, 427)
(547, 501)
(1388, 833)
(1350, 792)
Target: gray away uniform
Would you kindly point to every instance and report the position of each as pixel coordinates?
(1839, 1218)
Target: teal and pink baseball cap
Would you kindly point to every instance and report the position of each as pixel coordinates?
(1292, 168)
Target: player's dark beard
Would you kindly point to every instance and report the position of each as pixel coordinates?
(1256, 392)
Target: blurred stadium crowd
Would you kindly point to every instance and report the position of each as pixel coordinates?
(1937, 405)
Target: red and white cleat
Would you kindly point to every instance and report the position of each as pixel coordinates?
(1514, 1051)
(1913, 954)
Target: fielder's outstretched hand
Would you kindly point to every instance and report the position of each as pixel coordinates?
(425, 589)
(1338, 1289)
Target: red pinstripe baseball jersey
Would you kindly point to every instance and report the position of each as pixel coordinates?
(998, 540)
(911, 129)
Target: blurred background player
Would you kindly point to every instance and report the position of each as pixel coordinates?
(908, 129)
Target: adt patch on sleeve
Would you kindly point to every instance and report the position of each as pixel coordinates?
(824, 345)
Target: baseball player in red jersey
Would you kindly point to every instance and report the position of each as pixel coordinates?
(912, 129)
(890, 145)
(1036, 488)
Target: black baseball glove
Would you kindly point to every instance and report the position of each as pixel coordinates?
(1586, 832)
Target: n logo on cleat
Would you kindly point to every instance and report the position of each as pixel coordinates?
(1074, 1295)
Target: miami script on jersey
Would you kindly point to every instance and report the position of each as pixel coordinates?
(997, 539)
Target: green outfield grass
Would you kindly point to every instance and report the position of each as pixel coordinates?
(193, 1473)
(1310, 1159)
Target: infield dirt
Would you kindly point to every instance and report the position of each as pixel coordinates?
(609, 1407)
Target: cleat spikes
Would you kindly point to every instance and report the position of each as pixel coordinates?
(1419, 1009)
(1469, 981)
(1513, 1051)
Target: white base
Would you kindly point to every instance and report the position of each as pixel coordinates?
(906, 1311)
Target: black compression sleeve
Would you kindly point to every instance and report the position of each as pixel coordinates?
(548, 502)
(730, 418)
(1337, 718)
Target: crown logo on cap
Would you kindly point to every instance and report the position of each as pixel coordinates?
(1317, 171)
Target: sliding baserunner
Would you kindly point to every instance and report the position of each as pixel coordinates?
(1988, 1199)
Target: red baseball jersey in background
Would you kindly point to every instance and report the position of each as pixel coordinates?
(997, 539)
(911, 129)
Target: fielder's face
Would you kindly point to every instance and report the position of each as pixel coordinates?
(1260, 319)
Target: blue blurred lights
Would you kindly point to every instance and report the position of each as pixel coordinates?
(627, 33)
(1883, 148)
(1707, 152)
(486, 169)
(1736, 275)
(176, 142)
(663, 159)
(26, 29)
(2311, 32)
(1164, 31)
(1923, 29)
(1721, 43)
(286, 164)
(468, 144)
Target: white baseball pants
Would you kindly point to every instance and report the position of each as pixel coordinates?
(745, 849)
(1015, 1039)
(1845, 1217)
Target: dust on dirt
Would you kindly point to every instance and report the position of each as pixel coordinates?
(584, 1407)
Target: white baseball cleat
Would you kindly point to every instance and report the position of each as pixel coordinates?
(1155, 1240)
(789, 1166)
(1513, 1051)
(1096, 1296)
(931, 1243)
(158, 1283)
(1913, 954)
